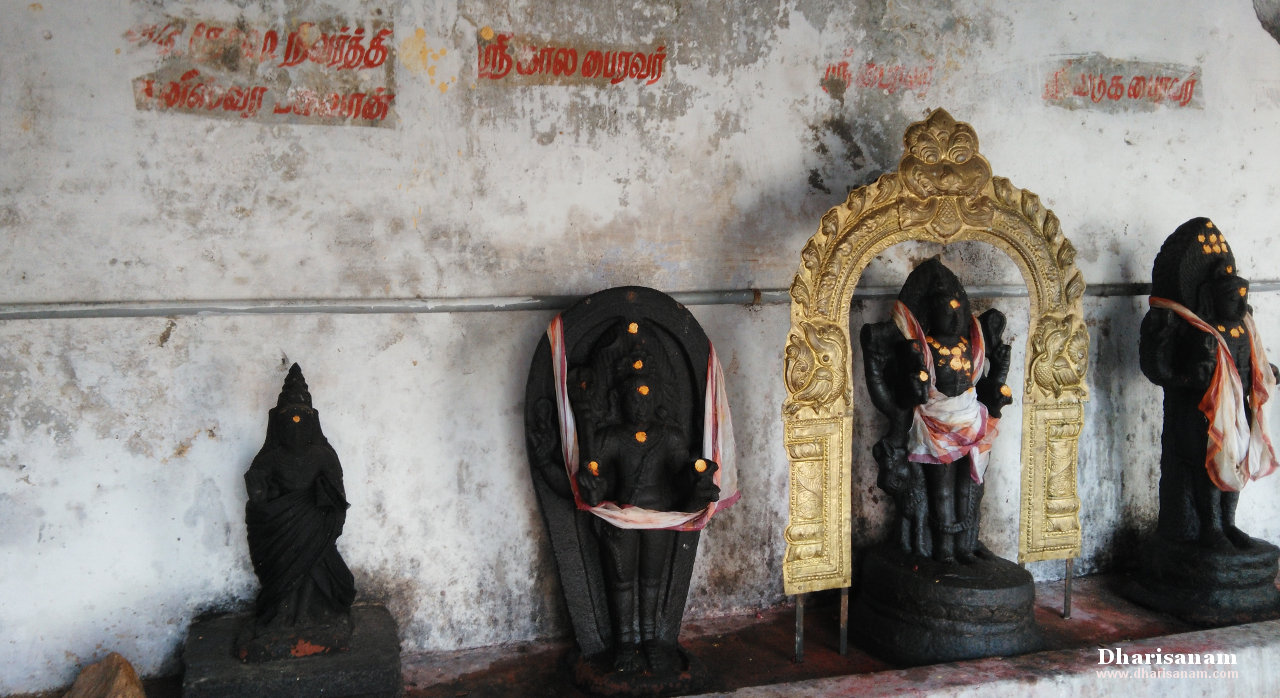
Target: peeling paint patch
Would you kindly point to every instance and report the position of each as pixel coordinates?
(838, 147)
(184, 446)
(37, 414)
(20, 521)
(506, 58)
(168, 332)
(1096, 82)
(815, 182)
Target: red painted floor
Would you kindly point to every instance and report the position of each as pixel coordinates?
(757, 651)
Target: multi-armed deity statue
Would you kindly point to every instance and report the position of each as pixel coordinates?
(295, 513)
(1199, 343)
(937, 372)
(935, 593)
(631, 450)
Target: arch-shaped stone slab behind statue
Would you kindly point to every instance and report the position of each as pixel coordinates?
(935, 198)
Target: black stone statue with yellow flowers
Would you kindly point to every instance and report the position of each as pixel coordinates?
(630, 446)
(937, 372)
(934, 592)
(1199, 343)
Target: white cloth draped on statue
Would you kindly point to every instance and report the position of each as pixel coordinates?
(717, 445)
(945, 429)
(1237, 451)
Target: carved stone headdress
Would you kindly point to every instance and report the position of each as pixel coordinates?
(1192, 255)
(626, 355)
(294, 397)
(294, 392)
(931, 278)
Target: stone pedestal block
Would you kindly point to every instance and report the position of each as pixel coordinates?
(370, 668)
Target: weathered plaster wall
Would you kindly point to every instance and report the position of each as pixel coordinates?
(123, 440)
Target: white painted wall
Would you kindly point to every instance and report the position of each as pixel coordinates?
(123, 440)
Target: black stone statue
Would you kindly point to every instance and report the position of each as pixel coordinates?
(1198, 342)
(938, 494)
(295, 513)
(614, 416)
(935, 593)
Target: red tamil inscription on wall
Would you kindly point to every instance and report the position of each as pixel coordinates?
(1093, 81)
(335, 72)
(505, 58)
(887, 77)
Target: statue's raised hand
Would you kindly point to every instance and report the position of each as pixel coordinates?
(999, 353)
(705, 488)
(593, 485)
(915, 358)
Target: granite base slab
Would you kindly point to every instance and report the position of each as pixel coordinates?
(369, 669)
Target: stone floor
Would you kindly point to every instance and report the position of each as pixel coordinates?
(758, 651)
(753, 656)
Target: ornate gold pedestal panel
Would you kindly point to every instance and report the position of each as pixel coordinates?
(942, 192)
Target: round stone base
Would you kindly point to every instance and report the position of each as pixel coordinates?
(597, 676)
(1207, 586)
(911, 610)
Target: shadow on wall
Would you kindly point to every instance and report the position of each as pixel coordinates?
(1269, 14)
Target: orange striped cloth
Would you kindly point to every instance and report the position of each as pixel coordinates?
(1237, 452)
(945, 429)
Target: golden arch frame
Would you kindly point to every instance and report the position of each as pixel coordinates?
(818, 413)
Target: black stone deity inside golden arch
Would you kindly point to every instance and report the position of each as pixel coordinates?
(937, 373)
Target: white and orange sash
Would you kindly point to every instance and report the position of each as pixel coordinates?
(717, 445)
(945, 429)
(1236, 452)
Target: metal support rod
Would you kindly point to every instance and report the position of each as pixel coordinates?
(844, 622)
(1066, 589)
(71, 310)
(799, 628)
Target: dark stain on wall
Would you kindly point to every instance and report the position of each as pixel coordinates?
(815, 182)
(168, 332)
(841, 149)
